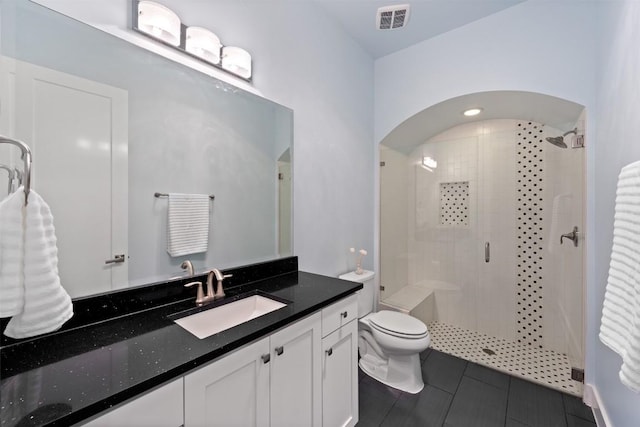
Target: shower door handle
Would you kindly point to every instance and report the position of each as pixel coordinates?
(487, 252)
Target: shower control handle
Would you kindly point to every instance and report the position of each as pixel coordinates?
(573, 236)
(487, 252)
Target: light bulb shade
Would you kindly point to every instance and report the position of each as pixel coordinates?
(236, 61)
(159, 21)
(203, 44)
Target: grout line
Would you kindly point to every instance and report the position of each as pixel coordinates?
(506, 410)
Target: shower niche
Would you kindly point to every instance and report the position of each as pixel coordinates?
(480, 234)
(454, 204)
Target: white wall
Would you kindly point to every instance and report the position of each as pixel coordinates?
(617, 143)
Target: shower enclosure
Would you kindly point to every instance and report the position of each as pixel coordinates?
(471, 224)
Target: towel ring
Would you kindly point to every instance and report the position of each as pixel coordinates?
(26, 157)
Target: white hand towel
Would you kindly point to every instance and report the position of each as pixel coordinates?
(11, 254)
(620, 327)
(188, 224)
(46, 304)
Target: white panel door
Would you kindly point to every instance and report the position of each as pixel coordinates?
(296, 389)
(233, 391)
(77, 130)
(340, 377)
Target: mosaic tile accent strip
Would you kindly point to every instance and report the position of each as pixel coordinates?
(529, 194)
(454, 203)
(544, 367)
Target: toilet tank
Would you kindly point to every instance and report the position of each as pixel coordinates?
(367, 295)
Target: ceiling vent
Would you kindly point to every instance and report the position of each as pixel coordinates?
(392, 17)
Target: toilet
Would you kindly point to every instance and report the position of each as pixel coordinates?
(389, 342)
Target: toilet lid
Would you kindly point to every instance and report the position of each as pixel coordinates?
(398, 324)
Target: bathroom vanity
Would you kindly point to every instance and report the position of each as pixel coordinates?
(124, 361)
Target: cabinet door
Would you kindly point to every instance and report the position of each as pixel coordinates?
(296, 389)
(340, 377)
(232, 391)
(159, 408)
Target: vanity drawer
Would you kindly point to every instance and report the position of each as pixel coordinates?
(339, 314)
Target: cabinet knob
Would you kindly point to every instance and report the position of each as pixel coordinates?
(344, 314)
(266, 358)
(279, 350)
(329, 352)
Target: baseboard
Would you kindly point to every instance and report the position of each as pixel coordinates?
(592, 399)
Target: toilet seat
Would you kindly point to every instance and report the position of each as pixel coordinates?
(398, 325)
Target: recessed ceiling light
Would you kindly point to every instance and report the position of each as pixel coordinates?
(472, 112)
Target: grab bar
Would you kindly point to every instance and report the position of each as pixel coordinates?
(26, 157)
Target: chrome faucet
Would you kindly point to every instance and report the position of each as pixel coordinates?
(219, 277)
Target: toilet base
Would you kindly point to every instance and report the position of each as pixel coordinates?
(400, 372)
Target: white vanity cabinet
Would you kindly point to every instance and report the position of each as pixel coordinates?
(340, 363)
(162, 407)
(304, 375)
(275, 381)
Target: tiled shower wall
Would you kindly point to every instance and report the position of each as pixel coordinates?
(520, 209)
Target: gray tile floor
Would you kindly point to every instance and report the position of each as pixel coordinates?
(458, 393)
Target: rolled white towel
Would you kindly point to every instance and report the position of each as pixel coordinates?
(620, 327)
(11, 254)
(47, 306)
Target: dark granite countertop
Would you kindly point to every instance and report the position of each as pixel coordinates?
(70, 376)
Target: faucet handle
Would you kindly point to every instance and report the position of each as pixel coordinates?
(199, 293)
(219, 277)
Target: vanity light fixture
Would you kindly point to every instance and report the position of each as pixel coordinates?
(472, 112)
(162, 24)
(204, 44)
(159, 22)
(237, 61)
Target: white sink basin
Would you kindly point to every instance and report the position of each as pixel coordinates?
(218, 319)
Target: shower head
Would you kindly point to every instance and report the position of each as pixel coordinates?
(558, 141)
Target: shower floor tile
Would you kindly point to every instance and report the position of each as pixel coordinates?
(541, 366)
